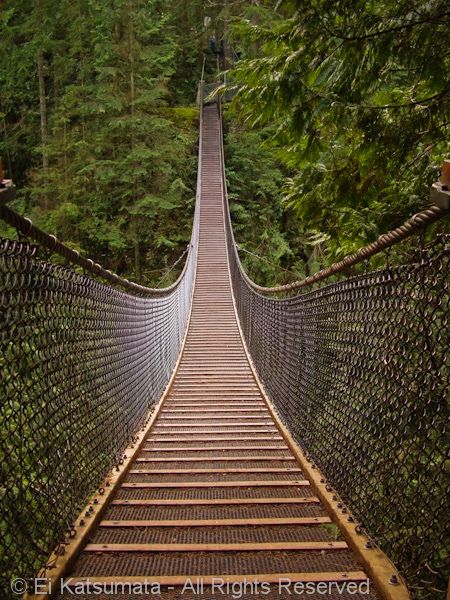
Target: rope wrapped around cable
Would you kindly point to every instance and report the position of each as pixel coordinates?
(414, 225)
(26, 228)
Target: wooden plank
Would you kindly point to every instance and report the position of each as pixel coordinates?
(243, 547)
(203, 431)
(189, 471)
(219, 393)
(213, 448)
(214, 396)
(216, 501)
(226, 405)
(214, 484)
(307, 521)
(212, 389)
(160, 439)
(200, 370)
(201, 405)
(213, 421)
(201, 419)
(212, 379)
(216, 459)
(227, 378)
(233, 421)
(203, 411)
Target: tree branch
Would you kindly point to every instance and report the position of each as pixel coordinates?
(385, 31)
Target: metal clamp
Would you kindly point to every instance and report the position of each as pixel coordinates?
(440, 192)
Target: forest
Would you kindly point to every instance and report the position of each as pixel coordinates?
(336, 123)
(337, 127)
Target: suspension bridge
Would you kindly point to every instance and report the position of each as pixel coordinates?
(211, 435)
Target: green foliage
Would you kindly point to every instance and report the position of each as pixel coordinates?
(88, 135)
(260, 221)
(349, 101)
(355, 97)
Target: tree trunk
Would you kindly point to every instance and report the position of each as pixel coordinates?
(8, 155)
(42, 108)
(137, 261)
(131, 62)
(65, 153)
(255, 21)
(132, 96)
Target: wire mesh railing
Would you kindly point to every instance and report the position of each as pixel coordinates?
(358, 371)
(82, 364)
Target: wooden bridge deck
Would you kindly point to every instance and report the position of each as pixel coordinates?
(216, 489)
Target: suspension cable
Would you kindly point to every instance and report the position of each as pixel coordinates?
(170, 269)
(266, 260)
(416, 223)
(25, 226)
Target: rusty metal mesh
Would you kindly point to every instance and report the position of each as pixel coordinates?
(358, 370)
(81, 363)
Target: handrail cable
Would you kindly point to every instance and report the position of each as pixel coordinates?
(412, 226)
(264, 259)
(25, 226)
(172, 267)
(416, 223)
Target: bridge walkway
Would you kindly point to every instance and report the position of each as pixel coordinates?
(215, 491)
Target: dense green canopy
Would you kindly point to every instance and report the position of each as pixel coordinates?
(93, 129)
(339, 125)
(355, 96)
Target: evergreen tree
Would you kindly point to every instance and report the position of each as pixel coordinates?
(108, 159)
(357, 97)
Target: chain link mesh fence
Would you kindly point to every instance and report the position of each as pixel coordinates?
(358, 371)
(81, 365)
